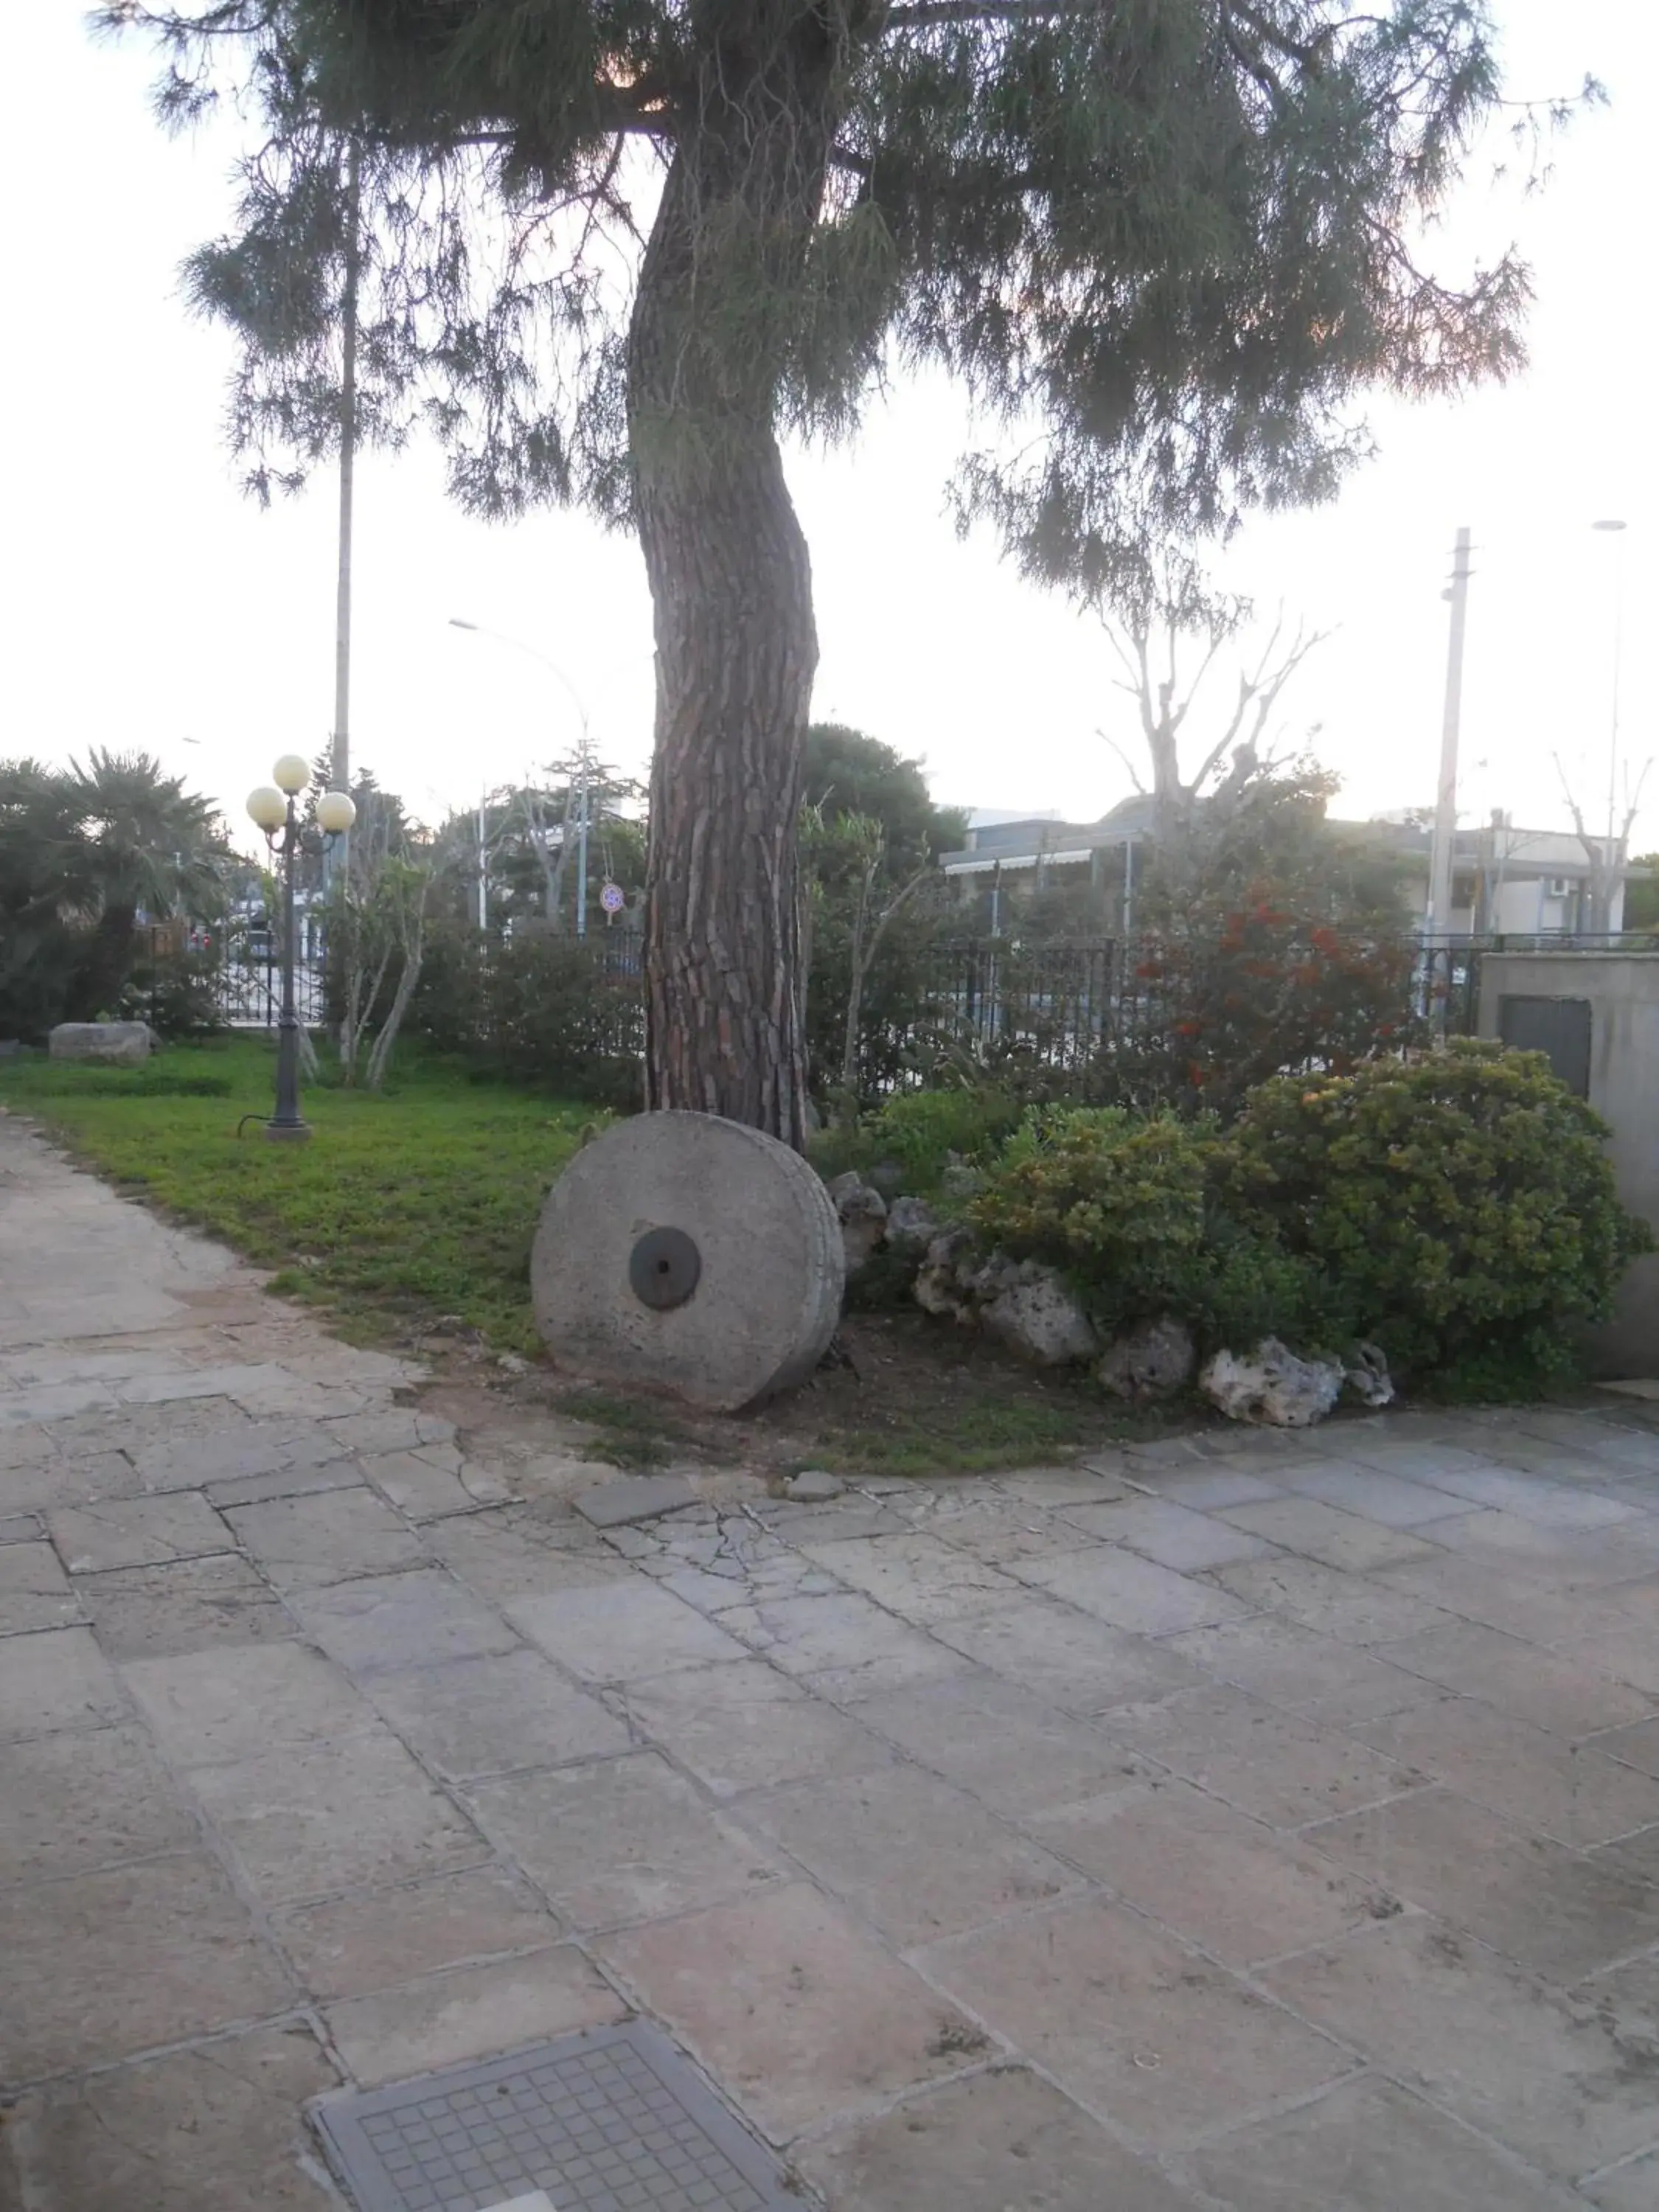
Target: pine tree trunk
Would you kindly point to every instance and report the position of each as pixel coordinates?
(737, 646)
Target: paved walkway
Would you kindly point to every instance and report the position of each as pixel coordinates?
(1269, 1823)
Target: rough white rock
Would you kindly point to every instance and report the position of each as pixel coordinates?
(911, 1227)
(1154, 1360)
(862, 1211)
(1272, 1387)
(1368, 1375)
(114, 1044)
(1040, 1321)
(937, 1288)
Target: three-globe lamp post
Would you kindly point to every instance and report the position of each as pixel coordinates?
(271, 809)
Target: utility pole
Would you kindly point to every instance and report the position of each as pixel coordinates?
(583, 805)
(341, 773)
(1436, 922)
(483, 864)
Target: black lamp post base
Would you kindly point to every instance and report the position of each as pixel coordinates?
(289, 1133)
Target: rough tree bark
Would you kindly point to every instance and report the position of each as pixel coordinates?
(731, 592)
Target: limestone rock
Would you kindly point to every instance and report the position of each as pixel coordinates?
(1152, 1361)
(937, 1289)
(113, 1045)
(911, 1227)
(1272, 1387)
(1368, 1377)
(1041, 1320)
(862, 1211)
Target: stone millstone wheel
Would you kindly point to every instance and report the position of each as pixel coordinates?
(691, 1254)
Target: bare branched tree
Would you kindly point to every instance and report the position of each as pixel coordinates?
(1167, 614)
(1605, 854)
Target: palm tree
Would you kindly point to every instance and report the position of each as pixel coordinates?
(137, 842)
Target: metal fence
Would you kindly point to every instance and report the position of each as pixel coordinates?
(1060, 1001)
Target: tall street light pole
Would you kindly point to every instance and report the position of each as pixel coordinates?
(271, 806)
(340, 753)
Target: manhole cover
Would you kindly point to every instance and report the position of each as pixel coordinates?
(611, 2120)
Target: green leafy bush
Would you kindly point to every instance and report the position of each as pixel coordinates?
(551, 1012)
(1462, 1201)
(921, 1133)
(1117, 1201)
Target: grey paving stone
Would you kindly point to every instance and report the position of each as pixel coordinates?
(193, 1605)
(1353, 1608)
(58, 1680)
(34, 1591)
(472, 2012)
(1277, 1767)
(21, 1529)
(1132, 1593)
(1319, 1531)
(619, 1840)
(301, 1482)
(468, 1718)
(1000, 1743)
(633, 1498)
(744, 1726)
(85, 1798)
(1637, 1747)
(434, 1482)
(1220, 1879)
(208, 1708)
(101, 1967)
(1520, 1680)
(910, 1853)
(917, 1576)
(218, 2129)
(792, 2006)
(1557, 1912)
(1559, 2083)
(1333, 1684)
(1174, 1535)
(374, 1939)
(617, 1632)
(1162, 2043)
(1205, 1489)
(332, 1536)
(1577, 1795)
(400, 1620)
(138, 1532)
(1068, 1658)
(1383, 2149)
(1390, 1499)
(999, 2140)
(507, 1553)
(1630, 2188)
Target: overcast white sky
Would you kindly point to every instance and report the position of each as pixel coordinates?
(150, 604)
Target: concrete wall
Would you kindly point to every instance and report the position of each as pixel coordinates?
(1622, 991)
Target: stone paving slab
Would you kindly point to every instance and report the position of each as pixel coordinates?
(1245, 1823)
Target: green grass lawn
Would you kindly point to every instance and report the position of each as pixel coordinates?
(418, 1203)
(422, 1204)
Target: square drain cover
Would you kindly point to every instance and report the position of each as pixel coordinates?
(610, 2120)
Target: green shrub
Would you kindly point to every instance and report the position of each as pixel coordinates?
(1117, 1202)
(921, 1133)
(1462, 1201)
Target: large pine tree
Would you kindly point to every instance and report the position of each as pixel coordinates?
(612, 250)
